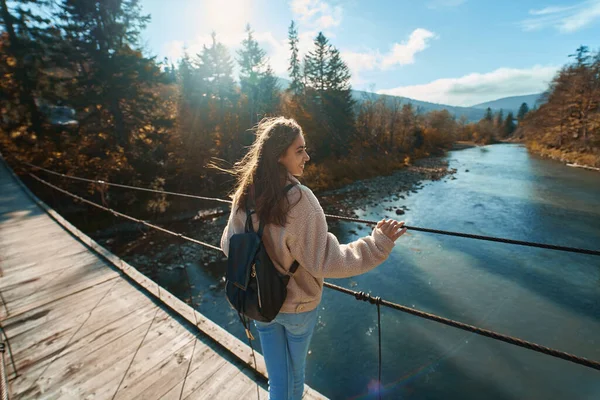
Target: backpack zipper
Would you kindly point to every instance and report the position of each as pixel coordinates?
(253, 274)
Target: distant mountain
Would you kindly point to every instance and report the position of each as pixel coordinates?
(473, 113)
(511, 103)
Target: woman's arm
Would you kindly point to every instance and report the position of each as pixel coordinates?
(228, 232)
(319, 251)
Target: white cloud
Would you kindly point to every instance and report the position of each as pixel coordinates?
(361, 61)
(435, 4)
(404, 53)
(565, 19)
(551, 10)
(317, 13)
(477, 88)
(400, 53)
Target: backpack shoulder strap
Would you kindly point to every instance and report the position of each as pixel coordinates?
(293, 268)
(295, 264)
(249, 226)
(288, 187)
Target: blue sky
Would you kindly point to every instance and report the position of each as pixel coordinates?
(457, 52)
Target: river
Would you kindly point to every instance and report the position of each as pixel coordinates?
(548, 297)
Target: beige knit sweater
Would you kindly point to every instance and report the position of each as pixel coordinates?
(305, 238)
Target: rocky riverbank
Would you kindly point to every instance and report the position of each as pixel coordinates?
(397, 186)
(157, 254)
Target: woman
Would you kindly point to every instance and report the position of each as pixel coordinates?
(295, 229)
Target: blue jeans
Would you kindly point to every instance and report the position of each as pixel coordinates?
(285, 343)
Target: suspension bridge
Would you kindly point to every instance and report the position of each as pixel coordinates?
(82, 323)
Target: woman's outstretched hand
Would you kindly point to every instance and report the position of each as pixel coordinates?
(392, 228)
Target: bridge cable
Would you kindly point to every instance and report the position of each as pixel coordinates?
(337, 217)
(367, 297)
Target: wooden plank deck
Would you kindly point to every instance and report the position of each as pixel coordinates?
(84, 324)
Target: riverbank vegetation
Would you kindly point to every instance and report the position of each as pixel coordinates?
(139, 121)
(567, 125)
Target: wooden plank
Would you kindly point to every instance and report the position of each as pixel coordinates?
(164, 339)
(118, 301)
(70, 257)
(42, 250)
(218, 385)
(173, 394)
(38, 346)
(232, 343)
(83, 345)
(250, 393)
(206, 361)
(243, 385)
(160, 378)
(29, 328)
(96, 374)
(68, 284)
(27, 273)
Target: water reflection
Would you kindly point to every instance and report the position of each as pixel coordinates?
(545, 296)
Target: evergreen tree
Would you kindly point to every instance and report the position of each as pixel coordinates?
(215, 70)
(296, 86)
(252, 63)
(112, 77)
(488, 115)
(581, 55)
(315, 64)
(523, 110)
(329, 96)
(270, 93)
(499, 119)
(25, 44)
(339, 101)
(509, 125)
(218, 114)
(125, 129)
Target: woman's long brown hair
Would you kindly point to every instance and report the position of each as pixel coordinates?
(260, 167)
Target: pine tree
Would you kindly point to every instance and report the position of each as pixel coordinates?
(26, 34)
(339, 101)
(269, 93)
(581, 55)
(499, 119)
(523, 110)
(315, 64)
(296, 86)
(112, 76)
(252, 60)
(329, 97)
(509, 126)
(215, 70)
(126, 125)
(488, 115)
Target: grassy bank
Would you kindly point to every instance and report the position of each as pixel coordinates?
(333, 174)
(589, 159)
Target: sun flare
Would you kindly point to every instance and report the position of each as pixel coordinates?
(227, 17)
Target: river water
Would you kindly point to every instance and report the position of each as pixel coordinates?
(548, 297)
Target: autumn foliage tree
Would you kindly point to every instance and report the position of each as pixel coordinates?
(569, 119)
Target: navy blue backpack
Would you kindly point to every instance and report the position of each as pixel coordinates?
(254, 287)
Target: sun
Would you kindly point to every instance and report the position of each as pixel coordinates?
(227, 17)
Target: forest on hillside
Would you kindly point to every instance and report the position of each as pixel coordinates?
(567, 125)
(79, 95)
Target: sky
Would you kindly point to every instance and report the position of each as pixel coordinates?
(455, 52)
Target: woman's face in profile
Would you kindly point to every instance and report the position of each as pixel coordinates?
(295, 157)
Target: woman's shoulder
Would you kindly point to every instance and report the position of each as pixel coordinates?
(303, 199)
